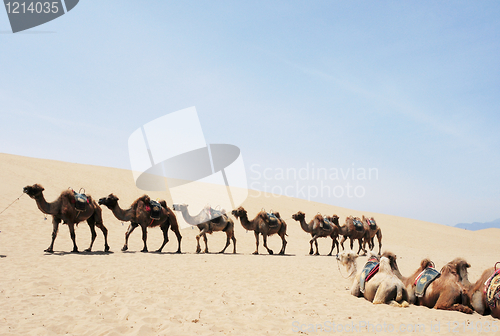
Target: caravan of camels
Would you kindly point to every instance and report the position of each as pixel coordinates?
(380, 280)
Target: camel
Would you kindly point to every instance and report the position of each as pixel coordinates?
(449, 291)
(263, 224)
(348, 230)
(64, 209)
(409, 282)
(372, 230)
(207, 225)
(318, 228)
(478, 295)
(139, 213)
(383, 287)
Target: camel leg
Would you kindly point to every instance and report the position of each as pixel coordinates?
(91, 223)
(360, 246)
(282, 234)
(316, 244)
(55, 228)
(206, 242)
(144, 237)
(97, 220)
(174, 227)
(379, 238)
(444, 301)
(130, 229)
(342, 242)
(71, 227)
(228, 241)
(234, 242)
(105, 233)
(198, 247)
(264, 238)
(164, 230)
(256, 242)
(315, 241)
(311, 246)
(334, 243)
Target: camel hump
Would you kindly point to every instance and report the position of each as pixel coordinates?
(81, 200)
(424, 279)
(357, 224)
(274, 220)
(369, 270)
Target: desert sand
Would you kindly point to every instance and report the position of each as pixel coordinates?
(134, 293)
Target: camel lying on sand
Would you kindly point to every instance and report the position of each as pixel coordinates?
(318, 228)
(207, 224)
(478, 293)
(449, 291)
(64, 209)
(265, 225)
(383, 287)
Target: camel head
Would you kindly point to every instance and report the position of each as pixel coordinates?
(240, 212)
(299, 216)
(180, 207)
(334, 219)
(457, 267)
(110, 201)
(461, 267)
(347, 258)
(392, 259)
(33, 191)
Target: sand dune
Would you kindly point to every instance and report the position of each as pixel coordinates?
(133, 293)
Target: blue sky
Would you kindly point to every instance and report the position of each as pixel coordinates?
(410, 89)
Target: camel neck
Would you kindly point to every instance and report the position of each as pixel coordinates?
(247, 225)
(121, 214)
(304, 225)
(44, 206)
(187, 217)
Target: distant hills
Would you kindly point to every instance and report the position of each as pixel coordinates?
(479, 226)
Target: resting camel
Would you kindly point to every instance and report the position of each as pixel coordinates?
(318, 228)
(383, 287)
(449, 291)
(263, 224)
(207, 224)
(371, 232)
(63, 209)
(409, 282)
(348, 230)
(139, 213)
(478, 298)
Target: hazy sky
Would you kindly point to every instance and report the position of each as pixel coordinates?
(405, 94)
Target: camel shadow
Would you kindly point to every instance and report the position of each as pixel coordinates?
(63, 253)
(275, 255)
(3, 256)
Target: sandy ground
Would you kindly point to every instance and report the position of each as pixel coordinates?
(134, 293)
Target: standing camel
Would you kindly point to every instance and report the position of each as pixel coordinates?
(139, 213)
(348, 230)
(207, 224)
(263, 224)
(318, 228)
(372, 230)
(478, 293)
(64, 209)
